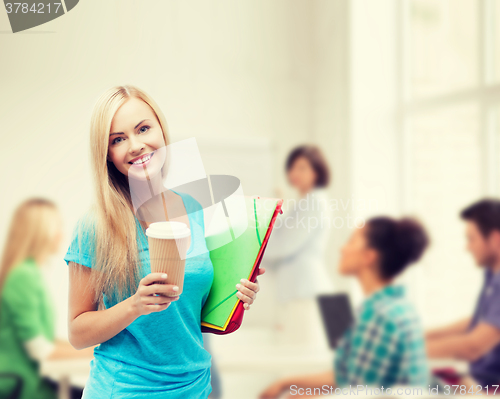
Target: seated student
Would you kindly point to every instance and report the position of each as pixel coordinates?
(27, 319)
(385, 345)
(477, 338)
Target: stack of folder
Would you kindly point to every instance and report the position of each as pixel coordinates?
(237, 259)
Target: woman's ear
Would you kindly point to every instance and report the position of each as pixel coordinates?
(371, 258)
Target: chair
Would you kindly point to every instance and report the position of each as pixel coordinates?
(18, 385)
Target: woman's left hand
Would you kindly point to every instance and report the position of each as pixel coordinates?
(247, 291)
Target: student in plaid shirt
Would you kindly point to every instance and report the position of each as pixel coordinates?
(385, 346)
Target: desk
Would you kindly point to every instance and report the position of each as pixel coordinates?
(66, 372)
(234, 370)
(399, 391)
(459, 365)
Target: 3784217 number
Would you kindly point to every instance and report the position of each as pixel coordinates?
(25, 8)
(474, 390)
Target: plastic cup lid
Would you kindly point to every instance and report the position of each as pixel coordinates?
(168, 230)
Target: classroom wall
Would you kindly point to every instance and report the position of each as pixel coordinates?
(222, 71)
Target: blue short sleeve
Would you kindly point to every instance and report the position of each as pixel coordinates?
(82, 245)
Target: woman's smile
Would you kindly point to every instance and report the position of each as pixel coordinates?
(142, 160)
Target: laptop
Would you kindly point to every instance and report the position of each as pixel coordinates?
(337, 316)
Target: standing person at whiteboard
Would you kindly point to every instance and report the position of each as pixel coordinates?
(297, 248)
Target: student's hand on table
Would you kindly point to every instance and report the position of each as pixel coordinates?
(273, 391)
(247, 291)
(151, 297)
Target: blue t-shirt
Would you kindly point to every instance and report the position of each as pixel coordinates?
(161, 354)
(486, 370)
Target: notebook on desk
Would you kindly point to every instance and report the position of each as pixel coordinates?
(336, 314)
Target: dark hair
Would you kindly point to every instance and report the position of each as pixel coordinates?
(398, 242)
(485, 214)
(315, 157)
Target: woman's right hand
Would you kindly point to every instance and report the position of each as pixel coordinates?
(145, 301)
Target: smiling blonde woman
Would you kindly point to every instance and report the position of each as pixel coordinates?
(150, 346)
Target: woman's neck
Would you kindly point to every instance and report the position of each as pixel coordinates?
(303, 192)
(143, 190)
(371, 283)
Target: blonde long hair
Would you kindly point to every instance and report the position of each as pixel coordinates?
(112, 223)
(31, 234)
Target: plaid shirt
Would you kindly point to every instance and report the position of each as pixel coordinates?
(385, 346)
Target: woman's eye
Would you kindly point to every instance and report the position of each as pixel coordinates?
(144, 129)
(115, 141)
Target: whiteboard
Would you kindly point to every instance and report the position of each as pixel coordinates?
(249, 159)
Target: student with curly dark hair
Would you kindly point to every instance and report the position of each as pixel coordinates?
(385, 345)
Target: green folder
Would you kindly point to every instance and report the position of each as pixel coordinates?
(236, 260)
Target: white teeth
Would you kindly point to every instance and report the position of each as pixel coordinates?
(142, 160)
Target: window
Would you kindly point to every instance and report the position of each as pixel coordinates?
(450, 122)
